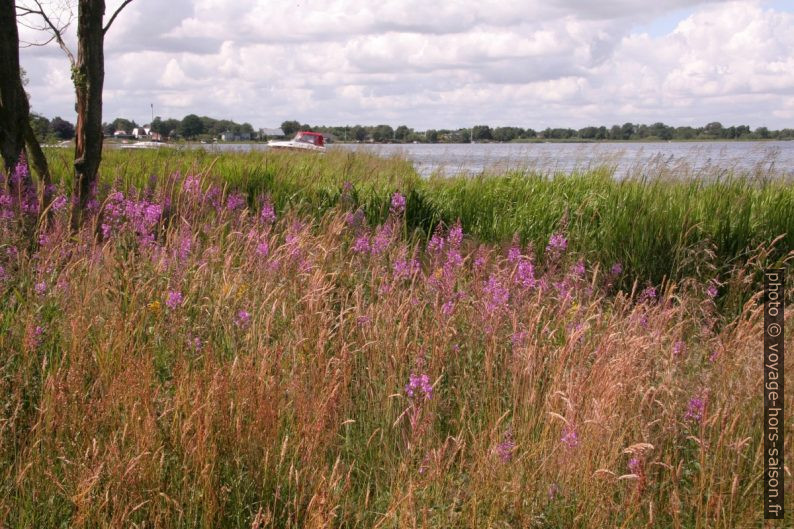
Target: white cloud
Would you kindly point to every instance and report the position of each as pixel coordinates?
(431, 64)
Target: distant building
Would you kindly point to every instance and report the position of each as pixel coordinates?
(272, 133)
(235, 136)
(140, 133)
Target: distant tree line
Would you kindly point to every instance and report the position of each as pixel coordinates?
(625, 132)
(48, 131)
(194, 127)
(190, 127)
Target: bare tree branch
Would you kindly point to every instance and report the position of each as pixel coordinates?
(115, 14)
(26, 44)
(49, 25)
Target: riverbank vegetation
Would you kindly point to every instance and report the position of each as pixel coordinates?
(289, 341)
(660, 222)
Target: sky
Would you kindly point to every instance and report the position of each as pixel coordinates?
(442, 64)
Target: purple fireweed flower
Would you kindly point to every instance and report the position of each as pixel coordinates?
(151, 214)
(404, 268)
(497, 295)
(5, 205)
(191, 185)
(363, 321)
(235, 201)
(400, 269)
(243, 318)
(455, 236)
(635, 466)
(563, 289)
(695, 409)
(525, 275)
(480, 258)
(419, 385)
(195, 343)
(570, 437)
(397, 203)
(213, 196)
(448, 308)
(454, 260)
(62, 284)
(268, 214)
(506, 448)
(578, 270)
(30, 205)
(21, 172)
(616, 269)
(45, 239)
(712, 290)
(92, 206)
(185, 247)
(436, 243)
(40, 288)
(514, 253)
(557, 243)
(519, 338)
(174, 299)
(381, 239)
(679, 347)
(649, 294)
(33, 335)
(356, 219)
(59, 203)
(361, 245)
(263, 249)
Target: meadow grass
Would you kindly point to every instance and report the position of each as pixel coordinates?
(218, 359)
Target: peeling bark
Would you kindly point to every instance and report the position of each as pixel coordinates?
(88, 75)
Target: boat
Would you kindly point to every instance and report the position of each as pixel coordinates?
(304, 140)
(143, 145)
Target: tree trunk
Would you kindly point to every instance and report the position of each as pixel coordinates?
(13, 101)
(37, 159)
(89, 76)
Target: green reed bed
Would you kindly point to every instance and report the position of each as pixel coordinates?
(667, 226)
(658, 228)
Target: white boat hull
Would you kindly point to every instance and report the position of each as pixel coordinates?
(295, 146)
(144, 145)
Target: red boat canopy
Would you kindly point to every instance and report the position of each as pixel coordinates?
(315, 138)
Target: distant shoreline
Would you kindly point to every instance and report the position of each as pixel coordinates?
(112, 143)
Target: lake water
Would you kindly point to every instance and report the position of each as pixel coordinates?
(687, 158)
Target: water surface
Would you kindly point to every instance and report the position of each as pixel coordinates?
(687, 158)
